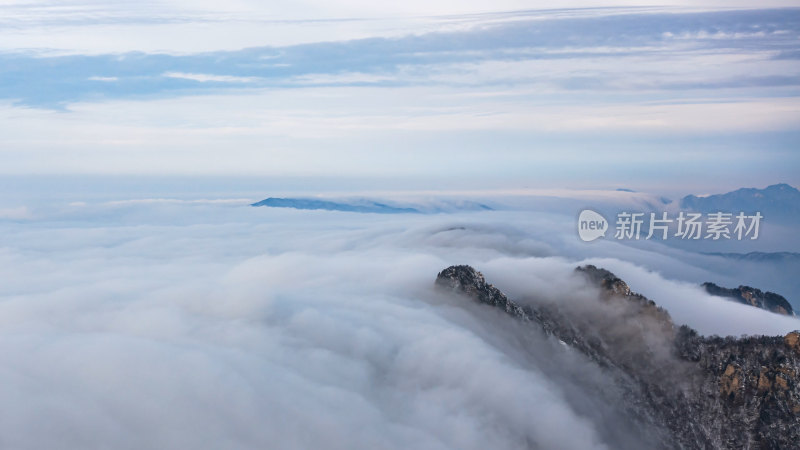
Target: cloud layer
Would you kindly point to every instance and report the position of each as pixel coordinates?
(123, 326)
(547, 51)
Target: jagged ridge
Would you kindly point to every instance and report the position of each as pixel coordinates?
(754, 297)
(700, 392)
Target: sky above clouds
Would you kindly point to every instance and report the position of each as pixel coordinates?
(518, 93)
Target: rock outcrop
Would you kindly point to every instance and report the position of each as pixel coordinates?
(692, 391)
(754, 297)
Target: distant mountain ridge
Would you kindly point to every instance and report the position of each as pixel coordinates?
(759, 256)
(359, 207)
(778, 201)
(371, 206)
(747, 295)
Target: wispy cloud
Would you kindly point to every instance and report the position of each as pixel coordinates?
(204, 77)
(97, 78)
(650, 51)
(630, 82)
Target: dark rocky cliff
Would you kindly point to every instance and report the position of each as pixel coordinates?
(754, 297)
(693, 391)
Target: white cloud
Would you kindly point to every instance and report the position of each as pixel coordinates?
(17, 213)
(171, 201)
(92, 27)
(107, 79)
(203, 77)
(314, 130)
(227, 343)
(199, 323)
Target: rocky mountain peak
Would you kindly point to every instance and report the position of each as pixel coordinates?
(605, 279)
(612, 287)
(469, 281)
(754, 297)
(695, 391)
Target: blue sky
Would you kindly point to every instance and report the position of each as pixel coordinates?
(623, 94)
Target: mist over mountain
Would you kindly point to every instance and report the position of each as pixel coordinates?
(685, 390)
(372, 206)
(754, 297)
(154, 308)
(777, 202)
(784, 257)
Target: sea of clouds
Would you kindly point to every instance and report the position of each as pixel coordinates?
(208, 324)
